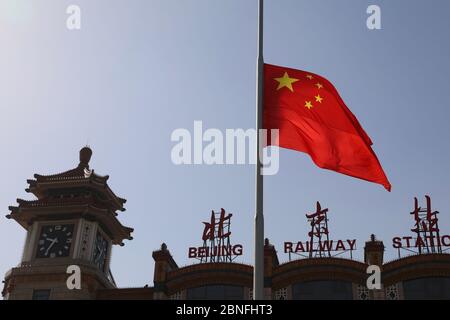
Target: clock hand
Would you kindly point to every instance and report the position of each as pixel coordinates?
(100, 253)
(51, 245)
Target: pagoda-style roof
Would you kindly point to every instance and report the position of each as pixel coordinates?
(80, 177)
(78, 192)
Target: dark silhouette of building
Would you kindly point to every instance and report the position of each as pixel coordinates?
(74, 221)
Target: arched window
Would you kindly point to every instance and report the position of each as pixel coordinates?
(435, 288)
(216, 292)
(322, 290)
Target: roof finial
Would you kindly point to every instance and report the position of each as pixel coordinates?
(85, 156)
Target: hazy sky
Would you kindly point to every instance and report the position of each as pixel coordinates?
(137, 70)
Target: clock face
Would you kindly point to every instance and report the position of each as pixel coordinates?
(100, 251)
(55, 241)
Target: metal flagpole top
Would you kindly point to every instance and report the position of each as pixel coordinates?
(260, 27)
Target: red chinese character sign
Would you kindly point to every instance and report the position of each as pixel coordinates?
(427, 237)
(217, 228)
(319, 232)
(319, 243)
(217, 246)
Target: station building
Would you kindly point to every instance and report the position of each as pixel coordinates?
(74, 221)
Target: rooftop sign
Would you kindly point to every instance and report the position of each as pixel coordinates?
(217, 246)
(319, 243)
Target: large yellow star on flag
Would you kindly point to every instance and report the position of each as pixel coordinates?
(285, 81)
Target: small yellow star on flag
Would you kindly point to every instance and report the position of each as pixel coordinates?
(318, 98)
(310, 77)
(319, 86)
(308, 105)
(285, 81)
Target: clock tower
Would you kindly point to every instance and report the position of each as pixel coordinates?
(73, 222)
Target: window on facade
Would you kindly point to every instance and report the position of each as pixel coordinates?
(41, 294)
(427, 288)
(216, 292)
(322, 290)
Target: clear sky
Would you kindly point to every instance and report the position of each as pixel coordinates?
(139, 69)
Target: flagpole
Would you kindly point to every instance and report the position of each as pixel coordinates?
(258, 271)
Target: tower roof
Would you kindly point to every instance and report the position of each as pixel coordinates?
(78, 192)
(80, 176)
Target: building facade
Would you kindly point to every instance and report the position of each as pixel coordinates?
(74, 222)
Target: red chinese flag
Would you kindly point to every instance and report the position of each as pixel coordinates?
(312, 118)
